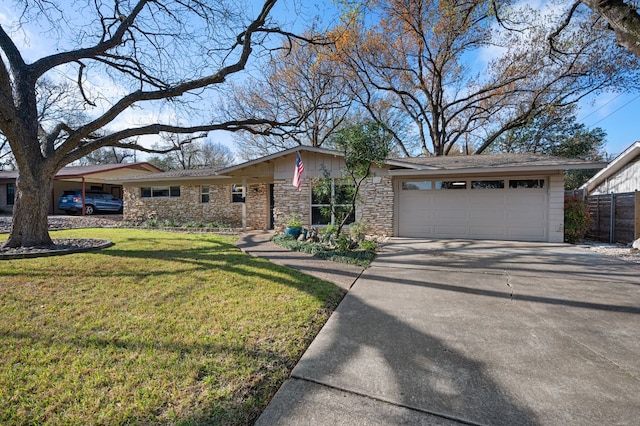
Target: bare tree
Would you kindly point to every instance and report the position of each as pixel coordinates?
(107, 155)
(417, 62)
(153, 54)
(623, 19)
(301, 83)
(191, 153)
(214, 155)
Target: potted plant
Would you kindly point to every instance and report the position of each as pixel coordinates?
(293, 225)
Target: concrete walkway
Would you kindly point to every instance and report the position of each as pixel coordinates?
(475, 332)
(259, 244)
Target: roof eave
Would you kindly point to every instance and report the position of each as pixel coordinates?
(498, 169)
(278, 155)
(612, 168)
(408, 165)
(62, 175)
(151, 179)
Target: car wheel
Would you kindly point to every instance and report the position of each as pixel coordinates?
(89, 210)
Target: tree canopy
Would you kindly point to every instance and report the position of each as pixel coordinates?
(561, 135)
(444, 76)
(300, 83)
(112, 61)
(363, 144)
(193, 154)
(466, 73)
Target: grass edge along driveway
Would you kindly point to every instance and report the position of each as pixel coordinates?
(161, 328)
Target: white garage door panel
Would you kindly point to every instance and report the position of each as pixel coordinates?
(527, 234)
(489, 232)
(505, 214)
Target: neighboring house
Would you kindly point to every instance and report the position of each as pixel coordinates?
(502, 196)
(614, 203)
(77, 177)
(622, 174)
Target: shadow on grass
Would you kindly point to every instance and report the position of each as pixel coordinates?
(246, 404)
(188, 264)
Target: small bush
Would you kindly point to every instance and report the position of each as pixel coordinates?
(343, 243)
(193, 224)
(151, 223)
(293, 220)
(169, 223)
(369, 245)
(358, 230)
(576, 219)
(219, 225)
(328, 233)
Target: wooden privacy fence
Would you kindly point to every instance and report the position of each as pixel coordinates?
(615, 218)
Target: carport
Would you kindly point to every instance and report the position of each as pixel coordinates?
(94, 177)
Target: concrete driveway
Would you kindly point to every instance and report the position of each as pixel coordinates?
(475, 332)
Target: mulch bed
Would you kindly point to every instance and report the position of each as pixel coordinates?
(60, 246)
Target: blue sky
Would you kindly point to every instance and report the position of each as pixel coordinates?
(616, 113)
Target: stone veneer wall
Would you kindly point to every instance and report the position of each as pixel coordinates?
(289, 201)
(376, 206)
(188, 207)
(257, 206)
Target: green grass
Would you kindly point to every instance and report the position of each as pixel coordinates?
(161, 328)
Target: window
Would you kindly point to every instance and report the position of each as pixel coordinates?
(526, 183)
(487, 184)
(321, 213)
(449, 184)
(416, 186)
(159, 191)
(236, 193)
(11, 193)
(204, 193)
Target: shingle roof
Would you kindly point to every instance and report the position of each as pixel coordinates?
(403, 165)
(98, 168)
(176, 174)
(74, 171)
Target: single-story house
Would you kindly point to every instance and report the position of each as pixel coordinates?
(95, 177)
(500, 196)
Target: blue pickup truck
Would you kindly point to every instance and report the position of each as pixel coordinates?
(71, 202)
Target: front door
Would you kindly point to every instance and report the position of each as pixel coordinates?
(271, 204)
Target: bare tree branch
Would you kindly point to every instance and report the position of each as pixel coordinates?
(624, 19)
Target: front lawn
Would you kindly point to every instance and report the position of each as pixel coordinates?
(161, 328)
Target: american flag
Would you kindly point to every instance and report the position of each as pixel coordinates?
(297, 174)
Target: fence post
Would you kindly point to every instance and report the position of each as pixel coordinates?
(636, 215)
(598, 218)
(612, 219)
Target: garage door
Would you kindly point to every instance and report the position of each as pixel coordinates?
(500, 209)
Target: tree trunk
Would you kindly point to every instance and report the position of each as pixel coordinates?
(30, 226)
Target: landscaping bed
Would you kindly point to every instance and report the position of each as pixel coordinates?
(347, 252)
